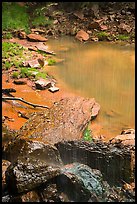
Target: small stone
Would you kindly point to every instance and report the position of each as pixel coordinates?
(43, 84)
(55, 22)
(20, 82)
(82, 35)
(123, 12)
(35, 37)
(128, 13)
(53, 89)
(22, 35)
(95, 39)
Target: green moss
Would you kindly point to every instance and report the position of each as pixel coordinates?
(14, 16)
(8, 35)
(102, 35)
(39, 18)
(51, 62)
(87, 135)
(7, 65)
(11, 54)
(123, 37)
(15, 75)
(41, 75)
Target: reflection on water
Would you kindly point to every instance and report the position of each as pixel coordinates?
(104, 71)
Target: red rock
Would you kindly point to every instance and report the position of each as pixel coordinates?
(43, 84)
(82, 35)
(125, 139)
(22, 35)
(20, 81)
(35, 37)
(53, 89)
(123, 28)
(103, 27)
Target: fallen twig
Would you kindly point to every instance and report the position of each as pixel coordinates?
(22, 100)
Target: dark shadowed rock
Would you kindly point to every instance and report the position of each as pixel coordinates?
(5, 165)
(116, 163)
(32, 149)
(31, 196)
(65, 120)
(28, 173)
(20, 81)
(79, 181)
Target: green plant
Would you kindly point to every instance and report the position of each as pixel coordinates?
(51, 62)
(87, 135)
(24, 72)
(102, 34)
(14, 16)
(41, 75)
(7, 65)
(123, 37)
(7, 35)
(15, 75)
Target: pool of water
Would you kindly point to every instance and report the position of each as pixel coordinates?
(100, 70)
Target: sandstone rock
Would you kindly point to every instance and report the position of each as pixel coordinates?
(116, 163)
(53, 89)
(22, 35)
(33, 30)
(35, 37)
(43, 84)
(82, 35)
(103, 27)
(127, 137)
(32, 149)
(65, 120)
(20, 81)
(28, 173)
(44, 48)
(31, 63)
(123, 28)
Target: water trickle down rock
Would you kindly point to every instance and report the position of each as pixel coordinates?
(80, 182)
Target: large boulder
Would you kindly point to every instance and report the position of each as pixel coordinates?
(28, 173)
(115, 162)
(65, 120)
(31, 149)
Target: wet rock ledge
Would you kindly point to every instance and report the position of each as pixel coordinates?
(41, 165)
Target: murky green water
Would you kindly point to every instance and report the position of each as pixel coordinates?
(104, 71)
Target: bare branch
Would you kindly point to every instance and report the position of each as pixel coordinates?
(22, 100)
